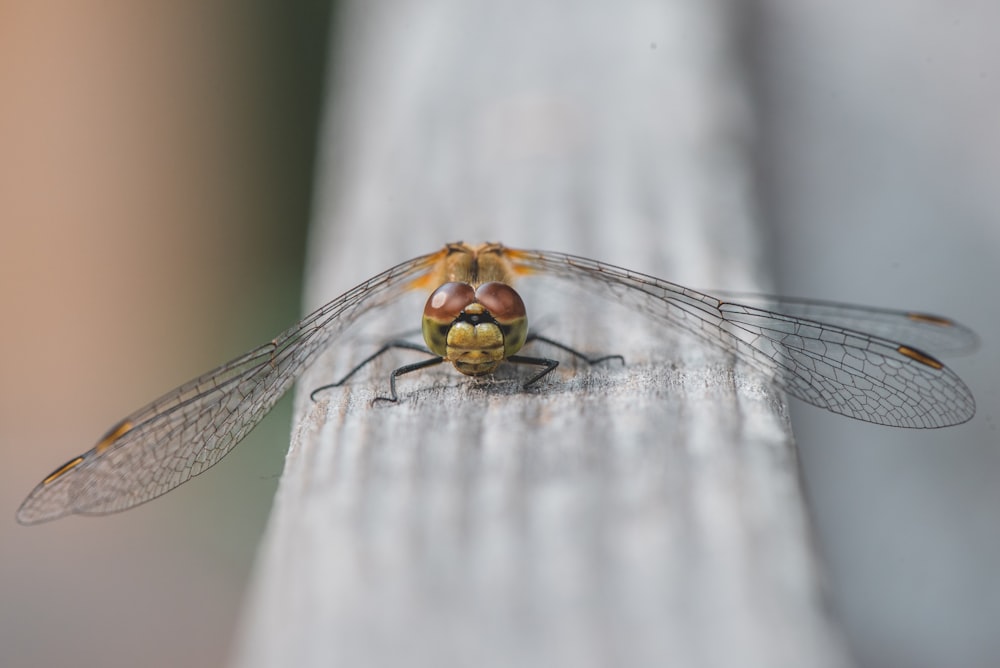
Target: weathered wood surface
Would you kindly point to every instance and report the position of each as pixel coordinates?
(642, 515)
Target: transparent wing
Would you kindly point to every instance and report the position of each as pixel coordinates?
(859, 375)
(920, 330)
(189, 429)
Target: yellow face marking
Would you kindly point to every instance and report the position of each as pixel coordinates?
(930, 319)
(63, 470)
(918, 356)
(113, 435)
(475, 349)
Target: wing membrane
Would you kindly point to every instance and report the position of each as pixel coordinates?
(818, 351)
(852, 373)
(189, 429)
(922, 330)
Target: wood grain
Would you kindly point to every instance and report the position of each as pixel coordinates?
(628, 515)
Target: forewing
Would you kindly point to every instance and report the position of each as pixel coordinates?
(189, 429)
(924, 331)
(848, 372)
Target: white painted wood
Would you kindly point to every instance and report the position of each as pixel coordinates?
(644, 515)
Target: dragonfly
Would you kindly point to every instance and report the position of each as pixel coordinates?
(844, 358)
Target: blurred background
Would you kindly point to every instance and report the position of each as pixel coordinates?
(879, 154)
(155, 175)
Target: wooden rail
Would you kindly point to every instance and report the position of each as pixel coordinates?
(646, 514)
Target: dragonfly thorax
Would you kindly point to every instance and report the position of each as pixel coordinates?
(475, 328)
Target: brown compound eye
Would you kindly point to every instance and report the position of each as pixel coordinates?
(503, 303)
(448, 301)
(507, 309)
(442, 308)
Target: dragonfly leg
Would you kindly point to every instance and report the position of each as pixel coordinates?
(535, 361)
(416, 366)
(406, 345)
(572, 351)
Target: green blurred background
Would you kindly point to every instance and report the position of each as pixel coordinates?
(155, 185)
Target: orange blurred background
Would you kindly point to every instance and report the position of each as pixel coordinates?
(155, 171)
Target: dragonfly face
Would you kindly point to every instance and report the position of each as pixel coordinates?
(475, 328)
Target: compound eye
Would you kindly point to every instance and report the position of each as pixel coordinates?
(448, 301)
(501, 300)
(507, 309)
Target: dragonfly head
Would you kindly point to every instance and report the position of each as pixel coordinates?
(475, 328)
